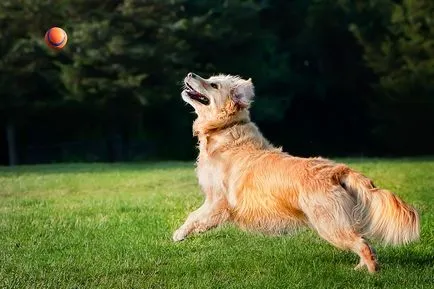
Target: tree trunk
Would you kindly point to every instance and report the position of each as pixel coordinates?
(12, 149)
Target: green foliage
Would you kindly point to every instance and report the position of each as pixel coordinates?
(365, 68)
(403, 59)
(122, 51)
(26, 66)
(404, 56)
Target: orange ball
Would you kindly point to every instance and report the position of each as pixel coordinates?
(56, 38)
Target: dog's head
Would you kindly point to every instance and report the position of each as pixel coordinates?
(218, 95)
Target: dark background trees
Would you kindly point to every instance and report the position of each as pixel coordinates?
(345, 77)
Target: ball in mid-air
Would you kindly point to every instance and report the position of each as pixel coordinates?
(56, 38)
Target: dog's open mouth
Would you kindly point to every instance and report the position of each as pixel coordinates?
(195, 95)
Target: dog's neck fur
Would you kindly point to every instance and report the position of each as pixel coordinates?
(228, 131)
(205, 127)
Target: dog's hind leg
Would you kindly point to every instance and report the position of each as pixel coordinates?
(331, 216)
(209, 215)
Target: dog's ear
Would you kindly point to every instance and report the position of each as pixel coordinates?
(243, 92)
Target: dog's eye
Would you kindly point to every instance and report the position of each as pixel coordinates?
(214, 85)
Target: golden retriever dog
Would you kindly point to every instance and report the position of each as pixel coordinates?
(251, 183)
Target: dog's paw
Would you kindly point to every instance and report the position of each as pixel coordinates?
(179, 235)
(359, 266)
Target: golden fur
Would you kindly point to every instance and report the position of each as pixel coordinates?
(248, 181)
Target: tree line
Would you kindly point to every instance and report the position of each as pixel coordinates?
(331, 77)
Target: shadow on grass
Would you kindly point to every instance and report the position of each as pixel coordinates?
(152, 165)
(72, 168)
(409, 160)
(408, 260)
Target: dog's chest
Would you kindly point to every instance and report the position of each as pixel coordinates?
(210, 174)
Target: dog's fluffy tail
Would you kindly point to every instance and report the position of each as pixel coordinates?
(379, 213)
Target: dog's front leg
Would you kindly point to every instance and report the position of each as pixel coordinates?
(211, 214)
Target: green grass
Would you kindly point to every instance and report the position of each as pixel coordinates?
(110, 226)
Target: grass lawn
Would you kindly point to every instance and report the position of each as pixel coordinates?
(110, 226)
